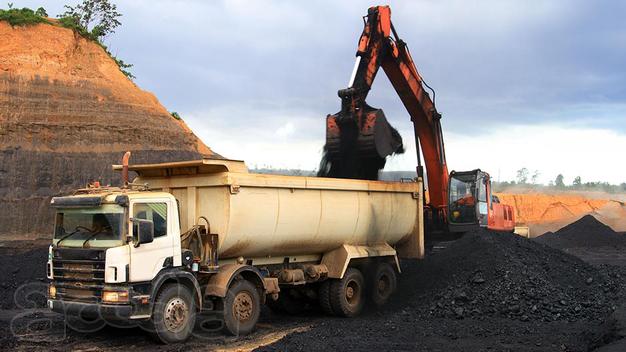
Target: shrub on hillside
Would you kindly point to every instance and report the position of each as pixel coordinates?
(23, 16)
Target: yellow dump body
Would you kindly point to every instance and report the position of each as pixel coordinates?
(259, 215)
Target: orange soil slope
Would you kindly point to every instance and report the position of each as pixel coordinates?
(66, 114)
(549, 212)
(59, 56)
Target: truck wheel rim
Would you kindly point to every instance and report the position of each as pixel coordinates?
(176, 313)
(384, 285)
(353, 291)
(243, 306)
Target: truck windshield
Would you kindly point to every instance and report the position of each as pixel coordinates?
(90, 227)
(462, 199)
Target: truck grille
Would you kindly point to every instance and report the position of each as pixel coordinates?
(78, 274)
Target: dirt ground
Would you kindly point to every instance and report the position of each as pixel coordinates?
(485, 292)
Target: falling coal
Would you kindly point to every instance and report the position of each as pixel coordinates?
(357, 145)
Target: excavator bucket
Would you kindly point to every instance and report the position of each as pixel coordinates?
(356, 146)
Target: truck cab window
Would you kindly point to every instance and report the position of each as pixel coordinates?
(157, 212)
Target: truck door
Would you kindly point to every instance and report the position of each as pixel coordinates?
(147, 259)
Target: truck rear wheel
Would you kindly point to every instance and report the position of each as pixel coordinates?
(346, 294)
(174, 314)
(382, 284)
(324, 297)
(242, 308)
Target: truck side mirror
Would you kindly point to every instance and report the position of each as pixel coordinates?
(143, 231)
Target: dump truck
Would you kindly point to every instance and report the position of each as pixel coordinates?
(208, 237)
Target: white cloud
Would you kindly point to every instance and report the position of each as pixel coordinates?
(285, 130)
(593, 154)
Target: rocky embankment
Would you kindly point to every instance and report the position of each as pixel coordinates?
(66, 114)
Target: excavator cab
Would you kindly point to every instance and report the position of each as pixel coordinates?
(469, 200)
(471, 204)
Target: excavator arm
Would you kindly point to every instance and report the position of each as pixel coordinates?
(359, 138)
(380, 46)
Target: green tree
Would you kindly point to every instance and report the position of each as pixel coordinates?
(558, 182)
(96, 18)
(522, 175)
(577, 181)
(41, 12)
(534, 177)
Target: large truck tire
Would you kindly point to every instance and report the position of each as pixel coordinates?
(324, 297)
(347, 294)
(382, 284)
(174, 314)
(242, 308)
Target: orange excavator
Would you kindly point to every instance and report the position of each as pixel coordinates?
(359, 138)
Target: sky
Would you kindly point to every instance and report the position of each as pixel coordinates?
(535, 84)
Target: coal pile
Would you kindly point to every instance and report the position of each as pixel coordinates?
(586, 232)
(23, 280)
(488, 274)
(486, 291)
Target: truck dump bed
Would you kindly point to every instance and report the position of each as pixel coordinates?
(272, 216)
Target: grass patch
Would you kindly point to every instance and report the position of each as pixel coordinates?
(23, 16)
(176, 115)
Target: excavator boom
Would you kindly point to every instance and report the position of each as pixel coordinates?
(359, 137)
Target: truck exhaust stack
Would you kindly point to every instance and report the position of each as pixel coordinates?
(125, 159)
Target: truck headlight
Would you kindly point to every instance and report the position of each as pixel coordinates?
(52, 291)
(115, 296)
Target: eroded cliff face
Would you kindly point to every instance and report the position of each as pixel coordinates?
(66, 114)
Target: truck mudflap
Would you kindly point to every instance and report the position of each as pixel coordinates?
(338, 260)
(177, 275)
(218, 284)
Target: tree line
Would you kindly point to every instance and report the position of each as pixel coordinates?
(524, 177)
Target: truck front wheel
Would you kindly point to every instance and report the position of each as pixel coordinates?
(174, 314)
(346, 294)
(242, 308)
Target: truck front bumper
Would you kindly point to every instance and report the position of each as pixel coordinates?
(93, 310)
